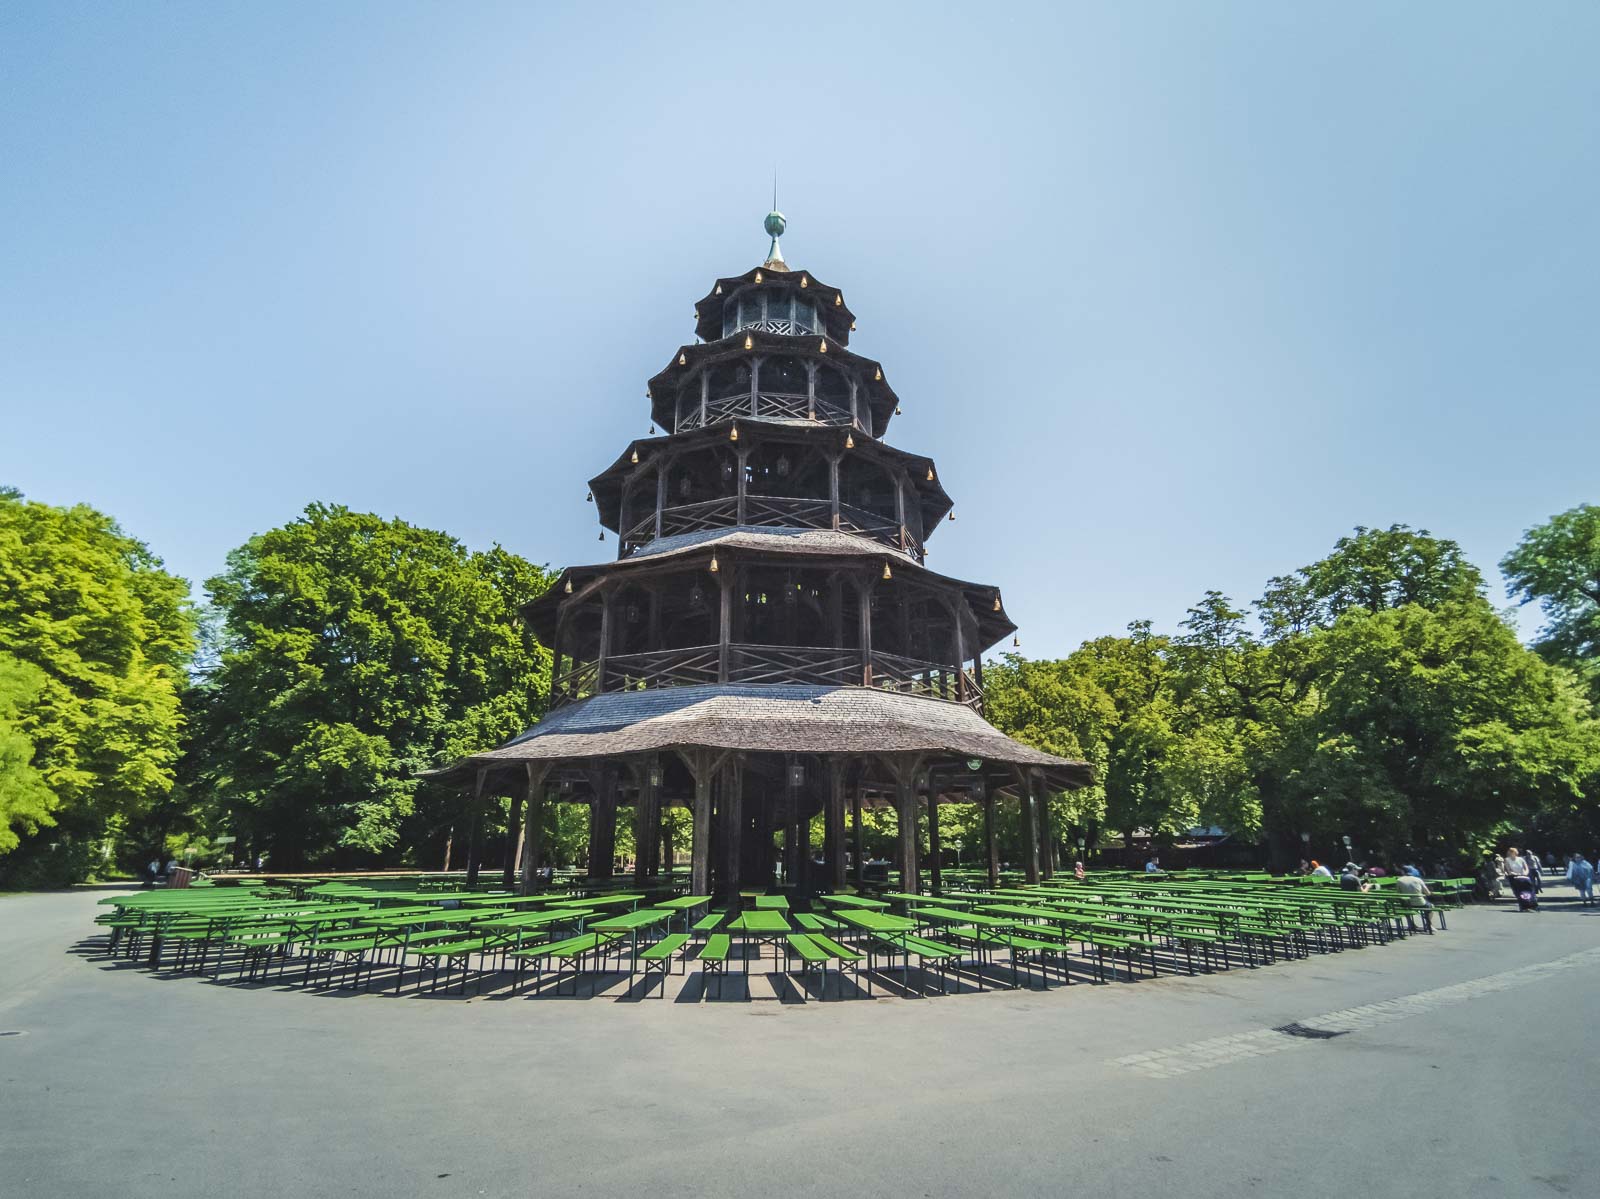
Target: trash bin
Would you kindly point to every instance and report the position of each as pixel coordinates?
(180, 877)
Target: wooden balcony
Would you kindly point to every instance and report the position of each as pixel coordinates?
(827, 666)
(764, 405)
(769, 511)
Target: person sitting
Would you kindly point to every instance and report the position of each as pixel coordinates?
(1153, 866)
(1414, 894)
(1320, 872)
(1350, 878)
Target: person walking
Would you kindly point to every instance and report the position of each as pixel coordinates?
(1517, 878)
(1580, 873)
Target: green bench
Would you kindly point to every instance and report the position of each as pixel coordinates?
(714, 959)
(658, 958)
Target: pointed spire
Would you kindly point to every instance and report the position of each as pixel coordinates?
(774, 225)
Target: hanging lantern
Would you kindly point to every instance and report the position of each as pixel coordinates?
(683, 360)
(714, 566)
(849, 441)
(887, 573)
(749, 342)
(733, 433)
(634, 457)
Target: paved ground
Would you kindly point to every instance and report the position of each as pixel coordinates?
(1467, 1066)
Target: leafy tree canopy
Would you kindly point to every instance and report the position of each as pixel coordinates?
(1558, 564)
(108, 634)
(354, 653)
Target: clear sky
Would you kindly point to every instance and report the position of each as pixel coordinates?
(1174, 294)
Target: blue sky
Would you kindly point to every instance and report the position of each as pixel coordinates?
(1174, 294)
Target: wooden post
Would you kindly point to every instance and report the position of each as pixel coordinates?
(1030, 824)
(833, 824)
(744, 454)
(700, 855)
(864, 594)
(533, 827)
(661, 491)
(475, 834)
(833, 487)
(957, 609)
(1047, 852)
(724, 628)
(514, 831)
(732, 824)
(605, 641)
(556, 650)
(603, 824)
(988, 836)
(906, 803)
(934, 847)
(858, 834)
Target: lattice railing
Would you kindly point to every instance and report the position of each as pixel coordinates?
(769, 511)
(828, 666)
(769, 405)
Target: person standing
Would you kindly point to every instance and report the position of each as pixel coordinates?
(1516, 872)
(1535, 871)
(1580, 873)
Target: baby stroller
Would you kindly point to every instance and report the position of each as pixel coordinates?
(1522, 887)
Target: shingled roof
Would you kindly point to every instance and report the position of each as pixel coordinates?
(768, 718)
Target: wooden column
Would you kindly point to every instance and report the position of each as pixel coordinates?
(858, 835)
(514, 831)
(705, 395)
(904, 770)
(475, 830)
(1030, 824)
(732, 825)
(935, 869)
(724, 626)
(988, 837)
(1047, 850)
(700, 854)
(956, 609)
(661, 491)
(603, 824)
(533, 809)
(864, 596)
(833, 825)
(605, 641)
(833, 486)
(556, 651)
(742, 482)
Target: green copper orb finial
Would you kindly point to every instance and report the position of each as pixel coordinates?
(775, 225)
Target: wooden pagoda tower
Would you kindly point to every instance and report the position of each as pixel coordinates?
(769, 642)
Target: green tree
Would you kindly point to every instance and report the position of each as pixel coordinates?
(110, 634)
(1558, 564)
(356, 652)
(25, 799)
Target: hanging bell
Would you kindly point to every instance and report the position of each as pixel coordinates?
(997, 601)
(719, 289)
(823, 347)
(930, 474)
(634, 457)
(952, 514)
(804, 281)
(849, 441)
(569, 586)
(1016, 643)
(749, 342)
(589, 499)
(897, 411)
(838, 299)
(733, 433)
(877, 375)
(714, 566)
(887, 573)
(758, 276)
(652, 428)
(602, 534)
(683, 360)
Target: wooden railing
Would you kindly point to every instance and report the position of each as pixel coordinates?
(769, 511)
(828, 666)
(768, 405)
